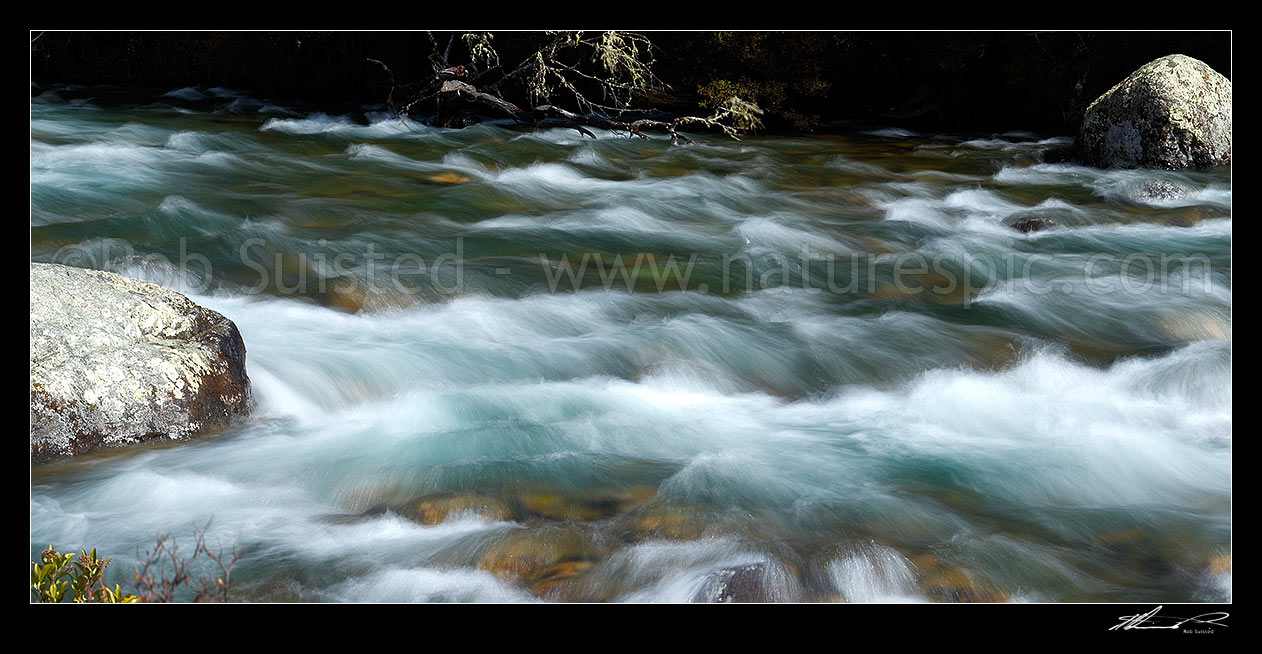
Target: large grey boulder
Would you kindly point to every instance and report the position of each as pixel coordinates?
(1172, 113)
(117, 360)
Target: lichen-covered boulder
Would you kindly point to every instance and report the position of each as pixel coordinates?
(117, 360)
(1172, 113)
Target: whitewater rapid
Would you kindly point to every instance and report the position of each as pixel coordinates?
(1057, 427)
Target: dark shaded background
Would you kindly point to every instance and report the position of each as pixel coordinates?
(973, 81)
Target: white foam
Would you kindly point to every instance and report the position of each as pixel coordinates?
(892, 133)
(428, 585)
(1007, 145)
(344, 127)
(875, 573)
(187, 93)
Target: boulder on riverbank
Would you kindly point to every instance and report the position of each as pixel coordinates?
(1172, 113)
(116, 360)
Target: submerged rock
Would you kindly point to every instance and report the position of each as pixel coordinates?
(553, 505)
(665, 522)
(1160, 190)
(527, 554)
(562, 582)
(944, 583)
(1189, 326)
(439, 508)
(1057, 155)
(1219, 564)
(1172, 113)
(448, 177)
(756, 582)
(116, 360)
(1034, 224)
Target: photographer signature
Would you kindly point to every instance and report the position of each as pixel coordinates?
(1151, 620)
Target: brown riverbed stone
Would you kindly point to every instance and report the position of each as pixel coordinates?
(562, 582)
(351, 296)
(1220, 564)
(944, 583)
(554, 505)
(448, 178)
(668, 522)
(526, 554)
(437, 509)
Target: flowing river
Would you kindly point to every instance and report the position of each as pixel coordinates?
(512, 364)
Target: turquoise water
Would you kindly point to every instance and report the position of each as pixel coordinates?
(785, 368)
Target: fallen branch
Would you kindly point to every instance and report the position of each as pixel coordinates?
(626, 76)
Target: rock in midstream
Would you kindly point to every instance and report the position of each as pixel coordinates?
(116, 361)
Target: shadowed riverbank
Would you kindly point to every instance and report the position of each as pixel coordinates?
(991, 81)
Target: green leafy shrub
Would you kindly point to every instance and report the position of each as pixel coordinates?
(57, 576)
(162, 575)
